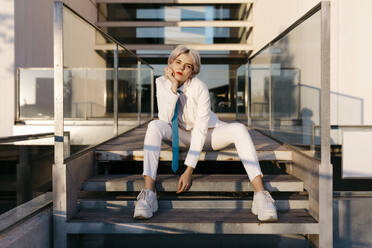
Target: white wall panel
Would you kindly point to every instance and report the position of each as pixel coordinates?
(7, 72)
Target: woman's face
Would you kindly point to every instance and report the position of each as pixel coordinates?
(182, 66)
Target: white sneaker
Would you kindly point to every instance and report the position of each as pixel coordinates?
(146, 204)
(263, 206)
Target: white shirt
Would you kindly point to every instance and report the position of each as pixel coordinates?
(194, 112)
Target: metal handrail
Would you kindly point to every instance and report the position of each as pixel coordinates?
(109, 37)
(25, 137)
(81, 68)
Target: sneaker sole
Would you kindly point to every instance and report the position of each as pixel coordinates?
(141, 215)
(273, 216)
(267, 217)
(271, 219)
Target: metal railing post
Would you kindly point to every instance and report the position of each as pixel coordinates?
(270, 99)
(85, 102)
(139, 84)
(116, 86)
(236, 94)
(60, 199)
(152, 94)
(247, 97)
(325, 169)
(58, 84)
(17, 90)
(312, 138)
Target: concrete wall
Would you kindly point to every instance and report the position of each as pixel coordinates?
(271, 17)
(7, 60)
(352, 220)
(26, 40)
(351, 54)
(34, 232)
(86, 8)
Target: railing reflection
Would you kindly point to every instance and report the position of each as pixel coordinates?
(88, 93)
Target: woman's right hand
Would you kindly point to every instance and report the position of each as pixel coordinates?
(170, 75)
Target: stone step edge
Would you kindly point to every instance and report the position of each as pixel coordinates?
(194, 204)
(216, 183)
(228, 155)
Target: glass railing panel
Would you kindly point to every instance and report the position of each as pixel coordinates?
(166, 12)
(94, 65)
(221, 86)
(259, 84)
(90, 70)
(128, 89)
(89, 81)
(242, 93)
(146, 92)
(285, 85)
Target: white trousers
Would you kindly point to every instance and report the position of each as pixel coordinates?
(217, 138)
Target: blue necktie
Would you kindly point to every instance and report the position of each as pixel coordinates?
(175, 139)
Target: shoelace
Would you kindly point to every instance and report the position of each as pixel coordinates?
(142, 195)
(268, 196)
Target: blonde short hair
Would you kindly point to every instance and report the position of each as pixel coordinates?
(193, 54)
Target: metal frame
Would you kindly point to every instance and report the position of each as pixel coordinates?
(139, 95)
(116, 90)
(174, 1)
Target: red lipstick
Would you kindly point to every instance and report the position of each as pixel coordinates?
(179, 73)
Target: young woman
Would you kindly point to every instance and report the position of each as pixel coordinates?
(198, 127)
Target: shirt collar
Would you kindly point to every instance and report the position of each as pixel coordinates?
(184, 86)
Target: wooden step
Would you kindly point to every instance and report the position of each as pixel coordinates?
(223, 155)
(187, 221)
(115, 200)
(129, 146)
(213, 183)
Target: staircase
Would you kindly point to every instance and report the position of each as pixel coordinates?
(102, 197)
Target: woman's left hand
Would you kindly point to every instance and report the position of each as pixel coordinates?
(184, 182)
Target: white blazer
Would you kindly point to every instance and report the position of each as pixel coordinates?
(194, 112)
